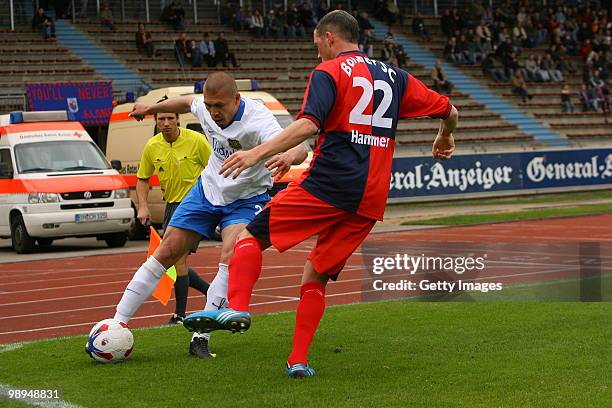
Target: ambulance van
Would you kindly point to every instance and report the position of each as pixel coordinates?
(127, 138)
(56, 183)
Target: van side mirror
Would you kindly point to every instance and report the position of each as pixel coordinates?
(116, 164)
(6, 170)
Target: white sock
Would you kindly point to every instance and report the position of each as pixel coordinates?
(216, 297)
(141, 286)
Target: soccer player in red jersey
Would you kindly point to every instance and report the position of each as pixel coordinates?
(355, 103)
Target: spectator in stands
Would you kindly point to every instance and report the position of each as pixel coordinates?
(446, 23)
(364, 21)
(566, 100)
(44, 24)
(271, 25)
(453, 52)
(484, 33)
(294, 27)
(543, 72)
(223, 53)
(227, 13)
(440, 80)
(586, 99)
(144, 41)
(419, 28)
(489, 69)
(519, 86)
(549, 65)
(173, 15)
(182, 49)
(389, 38)
(585, 49)
(597, 96)
(595, 81)
(519, 36)
(257, 24)
(392, 13)
(470, 50)
(365, 43)
(197, 57)
(533, 73)
(106, 17)
(238, 19)
(207, 49)
(387, 54)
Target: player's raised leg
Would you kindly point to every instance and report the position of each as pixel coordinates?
(217, 292)
(176, 243)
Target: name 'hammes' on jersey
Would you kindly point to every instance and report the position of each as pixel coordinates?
(222, 151)
(371, 140)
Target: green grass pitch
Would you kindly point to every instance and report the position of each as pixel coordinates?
(385, 354)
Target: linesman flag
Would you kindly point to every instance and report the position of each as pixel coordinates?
(166, 283)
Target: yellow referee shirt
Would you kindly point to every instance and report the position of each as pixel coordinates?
(177, 164)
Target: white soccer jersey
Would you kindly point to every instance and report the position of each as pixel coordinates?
(253, 124)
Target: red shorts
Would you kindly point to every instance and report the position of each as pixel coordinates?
(294, 215)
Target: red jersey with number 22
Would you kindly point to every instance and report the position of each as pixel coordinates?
(356, 103)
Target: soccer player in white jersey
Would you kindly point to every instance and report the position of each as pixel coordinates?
(231, 123)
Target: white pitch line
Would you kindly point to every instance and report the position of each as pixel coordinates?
(10, 347)
(121, 281)
(134, 269)
(112, 306)
(290, 299)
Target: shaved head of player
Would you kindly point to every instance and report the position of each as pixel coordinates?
(221, 98)
(336, 32)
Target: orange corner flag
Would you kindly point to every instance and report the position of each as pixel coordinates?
(166, 283)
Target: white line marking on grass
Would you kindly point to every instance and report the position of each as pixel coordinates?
(127, 280)
(285, 299)
(4, 391)
(5, 348)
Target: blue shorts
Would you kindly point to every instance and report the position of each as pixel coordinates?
(196, 213)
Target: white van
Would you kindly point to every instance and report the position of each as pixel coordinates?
(56, 183)
(127, 137)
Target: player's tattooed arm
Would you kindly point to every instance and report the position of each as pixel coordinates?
(181, 104)
(444, 144)
(292, 136)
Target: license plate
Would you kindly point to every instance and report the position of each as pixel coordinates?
(90, 217)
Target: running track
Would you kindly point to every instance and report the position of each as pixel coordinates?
(49, 298)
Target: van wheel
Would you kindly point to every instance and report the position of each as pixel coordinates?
(23, 243)
(137, 231)
(116, 240)
(44, 242)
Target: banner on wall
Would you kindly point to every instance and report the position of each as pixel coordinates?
(91, 103)
(482, 173)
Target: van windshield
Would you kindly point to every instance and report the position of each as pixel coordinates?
(59, 156)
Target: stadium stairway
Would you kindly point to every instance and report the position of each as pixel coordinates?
(478, 92)
(124, 79)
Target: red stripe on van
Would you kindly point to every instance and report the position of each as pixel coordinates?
(131, 180)
(65, 184)
(121, 116)
(39, 126)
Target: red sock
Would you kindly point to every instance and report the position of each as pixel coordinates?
(244, 270)
(307, 318)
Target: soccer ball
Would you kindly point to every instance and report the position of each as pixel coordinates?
(109, 341)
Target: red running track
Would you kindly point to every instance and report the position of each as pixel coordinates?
(49, 298)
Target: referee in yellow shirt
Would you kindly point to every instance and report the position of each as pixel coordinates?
(178, 156)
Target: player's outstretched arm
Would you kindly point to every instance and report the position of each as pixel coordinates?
(290, 137)
(182, 104)
(444, 144)
(280, 163)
